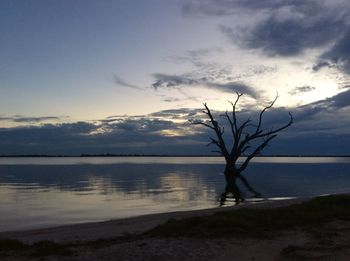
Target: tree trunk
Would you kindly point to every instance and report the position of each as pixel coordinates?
(231, 174)
(243, 134)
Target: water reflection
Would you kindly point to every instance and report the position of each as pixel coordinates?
(159, 160)
(44, 195)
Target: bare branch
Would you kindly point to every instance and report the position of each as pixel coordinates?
(260, 134)
(241, 129)
(244, 149)
(291, 119)
(263, 111)
(233, 129)
(213, 141)
(234, 104)
(243, 133)
(256, 152)
(215, 126)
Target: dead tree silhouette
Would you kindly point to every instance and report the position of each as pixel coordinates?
(249, 140)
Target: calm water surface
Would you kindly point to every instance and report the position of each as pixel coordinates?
(42, 192)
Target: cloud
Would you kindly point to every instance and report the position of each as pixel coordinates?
(171, 81)
(183, 114)
(336, 102)
(24, 119)
(332, 63)
(289, 36)
(231, 7)
(285, 27)
(231, 87)
(186, 97)
(170, 132)
(339, 54)
(301, 89)
(171, 99)
(119, 81)
(327, 116)
(204, 67)
(208, 74)
(195, 57)
(144, 134)
(179, 81)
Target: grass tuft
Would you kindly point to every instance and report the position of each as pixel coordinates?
(256, 222)
(10, 245)
(39, 249)
(49, 248)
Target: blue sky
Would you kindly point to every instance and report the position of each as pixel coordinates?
(125, 76)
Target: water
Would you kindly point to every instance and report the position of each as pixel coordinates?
(43, 192)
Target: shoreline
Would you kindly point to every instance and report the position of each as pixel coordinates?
(164, 155)
(314, 228)
(85, 232)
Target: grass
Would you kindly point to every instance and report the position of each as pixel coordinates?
(10, 245)
(49, 248)
(256, 222)
(39, 249)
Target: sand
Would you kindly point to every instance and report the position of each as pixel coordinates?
(329, 242)
(121, 227)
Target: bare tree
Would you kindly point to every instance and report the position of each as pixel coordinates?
(249, 140)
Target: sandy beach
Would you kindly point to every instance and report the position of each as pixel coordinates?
(120, 227)
(114, 240)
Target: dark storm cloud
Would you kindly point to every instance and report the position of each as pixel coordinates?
(286, 27)
(327, 117)
(179, 81)
(288, 38)
(128, 135)
(47, 135)
(339, 54)
(313, 130)
(170, 132)
(339, 101)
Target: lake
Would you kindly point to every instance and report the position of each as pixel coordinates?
(43, 192)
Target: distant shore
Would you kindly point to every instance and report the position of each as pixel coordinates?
(156, 155)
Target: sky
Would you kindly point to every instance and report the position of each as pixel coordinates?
(126, 76)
